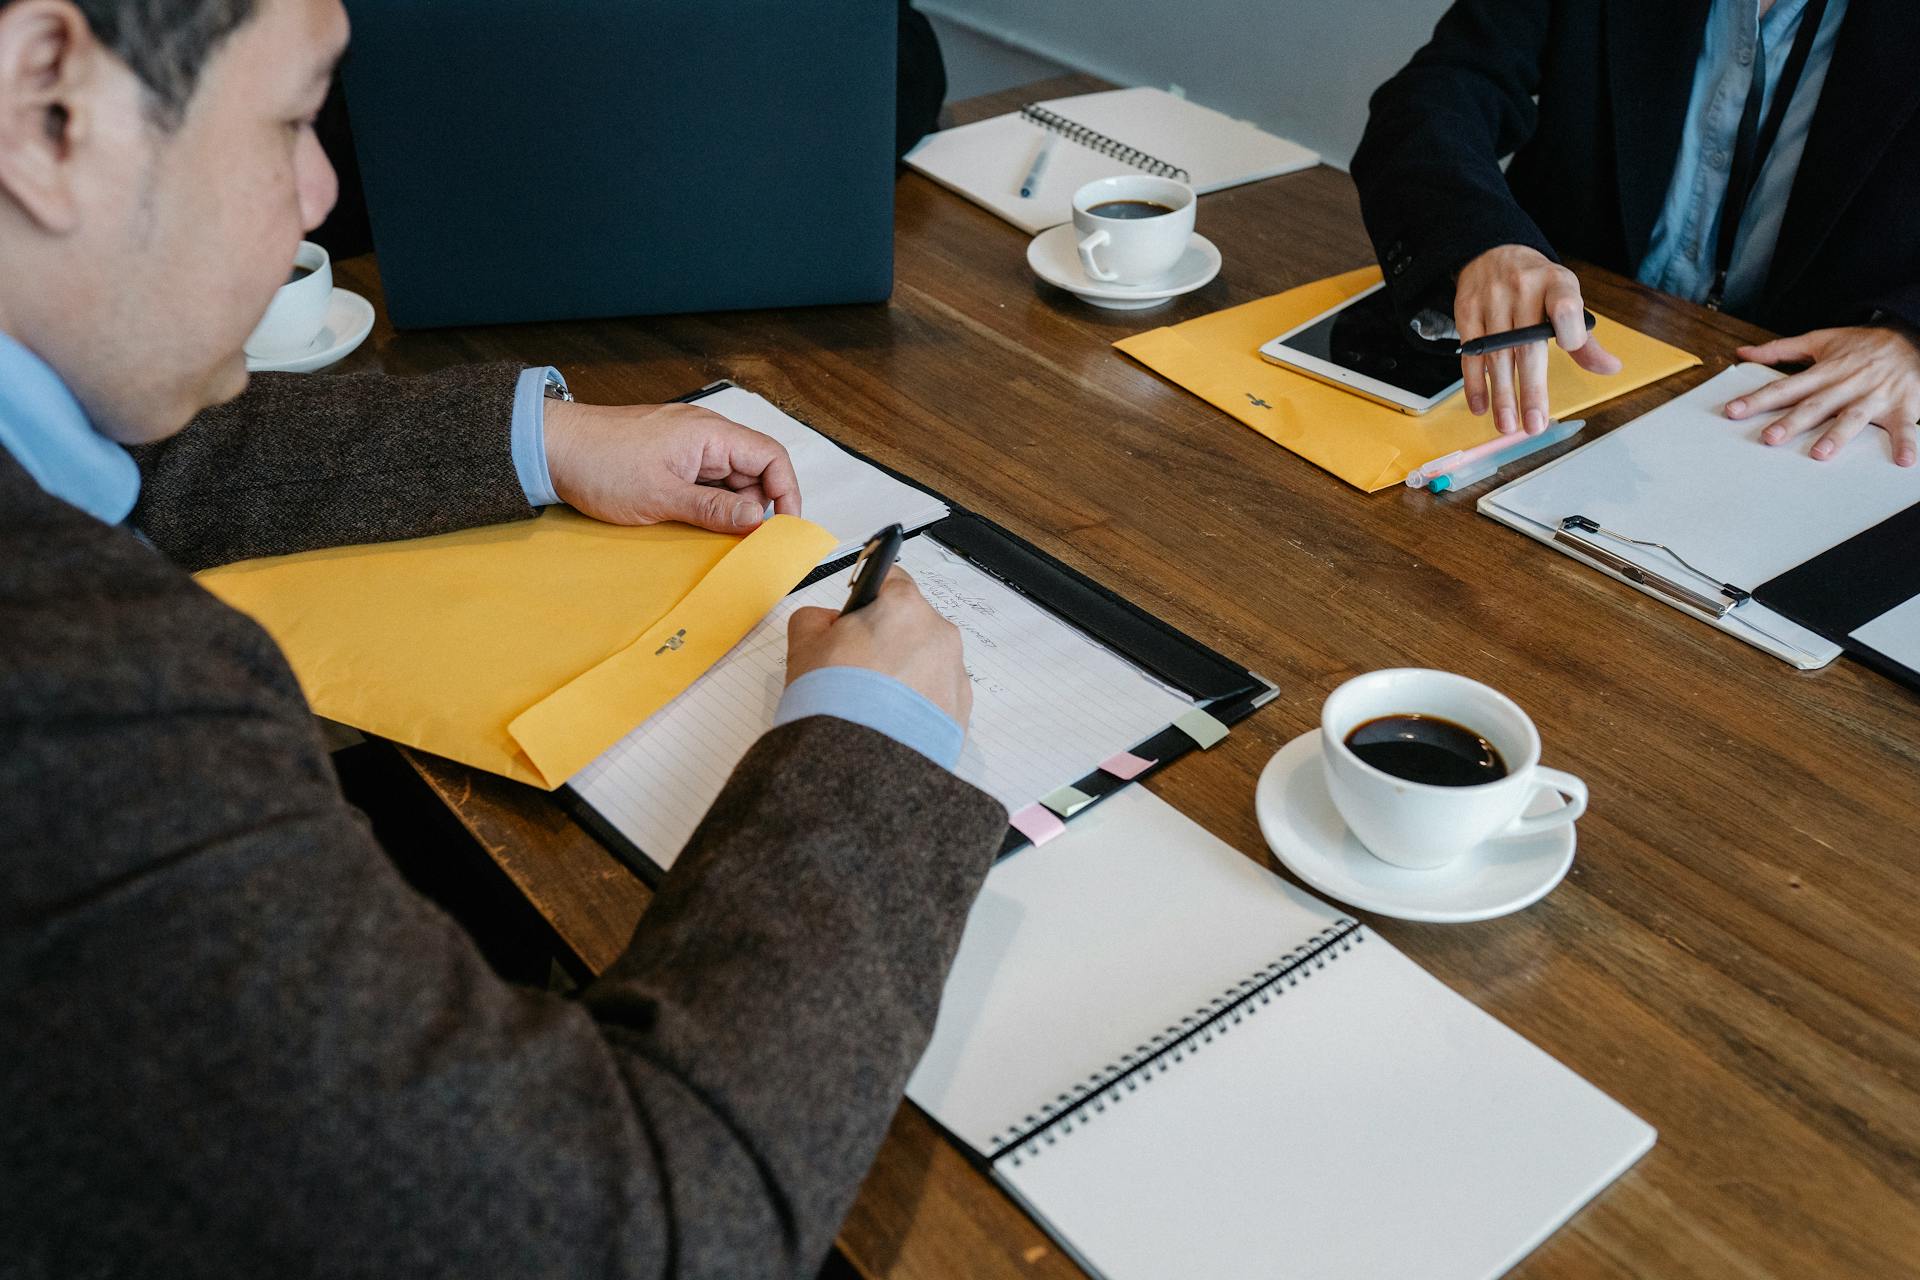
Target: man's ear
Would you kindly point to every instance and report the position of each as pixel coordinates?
(48, 54)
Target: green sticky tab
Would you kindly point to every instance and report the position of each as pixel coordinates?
(1201, 727)
(1067, 801)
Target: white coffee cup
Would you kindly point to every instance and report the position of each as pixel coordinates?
(299, 308)
(1424, 825)
(1132, 250)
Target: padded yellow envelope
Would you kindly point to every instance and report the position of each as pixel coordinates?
(525, 649)
(1217, 357)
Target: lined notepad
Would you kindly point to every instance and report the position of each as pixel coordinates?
(1184, 1066)
(1049, 704)
(850, 497)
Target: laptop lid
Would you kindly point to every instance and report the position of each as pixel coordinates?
(583, 158)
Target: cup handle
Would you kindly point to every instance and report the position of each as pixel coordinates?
(1087, 247)
(1567, 785)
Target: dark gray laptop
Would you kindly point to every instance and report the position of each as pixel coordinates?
(566, 159)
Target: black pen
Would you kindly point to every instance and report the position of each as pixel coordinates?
(1513, 338)
(871, 569)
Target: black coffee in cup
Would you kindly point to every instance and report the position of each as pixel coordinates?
(1129, 209)
(299, 274)
(1427, 749)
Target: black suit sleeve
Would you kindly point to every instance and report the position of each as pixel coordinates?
(1428, 168)
(1902, 304)
(923, 80)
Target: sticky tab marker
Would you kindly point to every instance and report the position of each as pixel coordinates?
(1126, 766)
(1037, 824)
(1066, 801)
(1201, 727)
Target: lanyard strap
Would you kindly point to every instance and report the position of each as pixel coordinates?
(1755, 139)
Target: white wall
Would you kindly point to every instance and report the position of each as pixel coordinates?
(978, 63)
(1299, 68)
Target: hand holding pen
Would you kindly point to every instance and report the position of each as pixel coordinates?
(1507, 288)
(886, 627)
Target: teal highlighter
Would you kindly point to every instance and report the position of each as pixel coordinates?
(1479, 469)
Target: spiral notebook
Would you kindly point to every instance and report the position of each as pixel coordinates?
(1099, 135)
(1181, 1065)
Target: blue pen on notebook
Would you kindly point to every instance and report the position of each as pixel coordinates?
(1438, 477)
(1031, 183)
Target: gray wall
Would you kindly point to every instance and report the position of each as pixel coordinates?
(1300, 68)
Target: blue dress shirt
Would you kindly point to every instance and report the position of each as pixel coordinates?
(530, 434)
(879, 702)
(47, 431)
(1680, 255)
(43, 426)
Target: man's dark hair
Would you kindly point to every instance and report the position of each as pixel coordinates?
(166, 42)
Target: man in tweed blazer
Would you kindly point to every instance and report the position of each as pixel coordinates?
(235, 1042)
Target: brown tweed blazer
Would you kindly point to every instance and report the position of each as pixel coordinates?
(234, 1043)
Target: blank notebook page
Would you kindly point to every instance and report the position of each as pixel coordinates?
(1366, 1122)
(1135, 876)
(1049, 705)
(1363, 1121)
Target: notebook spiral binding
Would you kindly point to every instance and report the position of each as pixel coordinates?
(1145, 1062)
(1096, 141)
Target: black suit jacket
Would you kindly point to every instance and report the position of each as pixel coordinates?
(1592, 158)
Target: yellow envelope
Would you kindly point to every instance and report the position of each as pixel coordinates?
(1217, 357)
(525, 649)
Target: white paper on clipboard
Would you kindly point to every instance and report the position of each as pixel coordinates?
(1688, 477)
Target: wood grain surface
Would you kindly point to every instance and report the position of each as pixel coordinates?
(1736, 954)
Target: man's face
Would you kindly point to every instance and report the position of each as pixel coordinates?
(187, 233)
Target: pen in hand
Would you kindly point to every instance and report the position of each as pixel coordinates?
(871, 569)
(1492, 342)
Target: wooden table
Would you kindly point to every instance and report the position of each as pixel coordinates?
(1736, 954)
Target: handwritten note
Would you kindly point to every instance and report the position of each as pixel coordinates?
(1049, 705)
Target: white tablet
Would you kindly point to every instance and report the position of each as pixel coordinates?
(1359, 347)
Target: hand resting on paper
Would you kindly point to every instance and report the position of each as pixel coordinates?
(1858, 376)
(642, 464)
(898, 635)
(1511, 286)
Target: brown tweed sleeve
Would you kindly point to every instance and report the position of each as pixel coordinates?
(299, 462)
(236, 1043)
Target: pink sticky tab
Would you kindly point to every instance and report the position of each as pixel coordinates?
(1126, 765)
(1037, 823)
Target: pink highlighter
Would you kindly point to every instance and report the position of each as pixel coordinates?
(1463, 467)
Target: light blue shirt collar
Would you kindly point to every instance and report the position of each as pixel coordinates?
(47, 432)
(1680, 255)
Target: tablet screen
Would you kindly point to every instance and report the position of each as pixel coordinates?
(1367, 339)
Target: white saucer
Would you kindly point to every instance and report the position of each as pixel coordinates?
(1306, 832)
(349, 321)
(1054, 256)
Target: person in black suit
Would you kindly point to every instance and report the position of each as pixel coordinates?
(1633, 126)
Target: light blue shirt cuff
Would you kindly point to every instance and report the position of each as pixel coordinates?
(879, 702)
(530, 435)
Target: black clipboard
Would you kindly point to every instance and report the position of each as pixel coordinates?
(1227, 691)
(1845, 587)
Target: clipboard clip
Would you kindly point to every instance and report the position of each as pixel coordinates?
(1581, 534)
